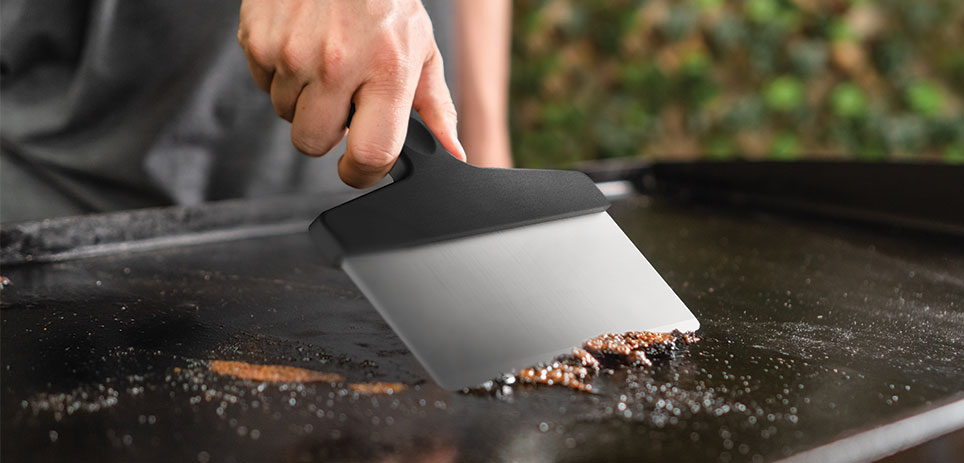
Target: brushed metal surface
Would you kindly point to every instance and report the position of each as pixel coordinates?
(472, 308)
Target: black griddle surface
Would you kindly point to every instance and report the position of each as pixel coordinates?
(812, 331)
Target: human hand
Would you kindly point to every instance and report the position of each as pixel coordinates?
(316, 57)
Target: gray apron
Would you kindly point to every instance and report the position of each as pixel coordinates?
(108, 105)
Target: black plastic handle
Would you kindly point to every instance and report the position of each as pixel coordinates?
(435, 196)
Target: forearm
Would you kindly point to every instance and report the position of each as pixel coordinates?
(483, 33)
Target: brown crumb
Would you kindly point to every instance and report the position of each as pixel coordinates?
(577, 369)
(585, 359)
(635, 347)
(557, 373)
(272, 373)
(377, 388)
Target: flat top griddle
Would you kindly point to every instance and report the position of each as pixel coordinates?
(813, 331)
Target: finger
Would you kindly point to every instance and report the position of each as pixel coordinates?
(262, 76)
(298, 63)
(377, 131)
(433, 101)
(259, 41)
(285, 90)
(319, 120)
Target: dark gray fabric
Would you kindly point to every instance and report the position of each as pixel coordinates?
(442, 13)
(111, 104)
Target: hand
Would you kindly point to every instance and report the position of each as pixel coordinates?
(317, 56)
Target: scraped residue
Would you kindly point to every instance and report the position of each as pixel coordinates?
(272, 373)
(577, 368)
(377, 388)
(636, 347)
(286, 374)
(570, 370)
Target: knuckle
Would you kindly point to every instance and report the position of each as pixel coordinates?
(447, 110)
(333, 64)
(439, 103)
(391, 50)
(258, 52)
(253, 41)
(435, 58)
(370, 158)
(392, 71)
(294, 56)
(392, 61)
(244, 28)
(307, 144)
(387, 36)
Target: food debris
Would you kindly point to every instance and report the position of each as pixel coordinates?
(635, 347)
(4, 282)
(585, 359)
(576, 369)
(377, 388)
(272, 373)
(557, 373)
(286, 374)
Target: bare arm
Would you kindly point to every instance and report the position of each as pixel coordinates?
(483, 29)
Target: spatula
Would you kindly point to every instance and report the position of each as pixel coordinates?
(481, 271)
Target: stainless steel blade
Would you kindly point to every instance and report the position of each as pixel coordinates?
(472, 308)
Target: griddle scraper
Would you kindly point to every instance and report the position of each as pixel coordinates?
(481, 271)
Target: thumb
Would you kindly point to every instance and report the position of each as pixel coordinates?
(433, 102)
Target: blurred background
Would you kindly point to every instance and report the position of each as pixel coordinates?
(754, 79)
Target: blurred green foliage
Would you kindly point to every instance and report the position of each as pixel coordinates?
(718, 79)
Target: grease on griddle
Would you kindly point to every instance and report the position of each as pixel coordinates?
(577, 368)
(272, 373)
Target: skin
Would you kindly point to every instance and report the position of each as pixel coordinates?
(315, 57)
(482, 37)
